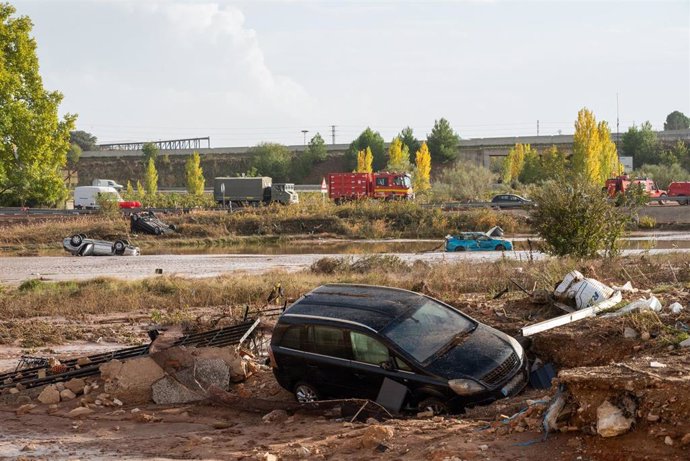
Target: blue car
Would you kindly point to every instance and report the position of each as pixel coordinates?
(478, 241)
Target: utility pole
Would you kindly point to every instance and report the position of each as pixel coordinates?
(304, 134)
(332, 134)
(537, 127)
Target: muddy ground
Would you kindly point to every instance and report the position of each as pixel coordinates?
(594, 359)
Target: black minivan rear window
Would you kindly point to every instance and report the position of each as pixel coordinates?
(292, 338)
(329, 341)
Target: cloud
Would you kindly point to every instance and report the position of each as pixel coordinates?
(170, 64)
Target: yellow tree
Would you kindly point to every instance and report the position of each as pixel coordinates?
(151, 178)
(610, 166)
(195, 175)
(587, 147)
(515, 162)
(422, 175)
(368, 161)
(398, 156)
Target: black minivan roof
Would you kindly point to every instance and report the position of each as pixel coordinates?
(372, 306)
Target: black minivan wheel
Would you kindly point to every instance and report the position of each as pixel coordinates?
(305, 393)
(433, 404)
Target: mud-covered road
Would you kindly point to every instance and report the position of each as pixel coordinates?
(14, 270)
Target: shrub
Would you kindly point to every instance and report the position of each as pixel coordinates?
(463, 181)
(578, 219)
(646, 222)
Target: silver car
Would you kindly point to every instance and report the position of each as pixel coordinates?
(80, 245)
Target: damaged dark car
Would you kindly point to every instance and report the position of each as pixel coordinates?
(148, 222)
(343, 341)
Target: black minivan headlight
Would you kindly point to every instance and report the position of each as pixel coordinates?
(465, 386)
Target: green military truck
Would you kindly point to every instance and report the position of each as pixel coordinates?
(252, 191)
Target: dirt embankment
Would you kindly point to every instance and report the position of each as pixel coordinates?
(595, 360)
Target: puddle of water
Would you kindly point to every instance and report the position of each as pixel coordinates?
(354, 247)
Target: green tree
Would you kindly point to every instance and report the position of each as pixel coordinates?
(303, 163)
(443, 142)
(663, 175)
(532, 168)
(195, 175)
(316, 150)
(641, 144)
(410, 141)
(271, 159)
(398, 157)
(73, 155)
(676, 120)
(85, 140)
(554, 164)
(33, 140)
(372, 140)
(150, 151)
(151, 178)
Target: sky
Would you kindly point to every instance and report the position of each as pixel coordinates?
(244, 72)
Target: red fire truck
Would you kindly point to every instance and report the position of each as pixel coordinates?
(620, 184)
(383, 185)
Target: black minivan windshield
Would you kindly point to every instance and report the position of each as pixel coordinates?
(427, 329)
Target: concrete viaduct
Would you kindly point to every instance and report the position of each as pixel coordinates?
(477, 150)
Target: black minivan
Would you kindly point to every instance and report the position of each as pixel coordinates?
(342, 341)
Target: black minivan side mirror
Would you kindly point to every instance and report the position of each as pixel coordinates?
(388, 365)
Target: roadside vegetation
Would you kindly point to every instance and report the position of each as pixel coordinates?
(311, 218)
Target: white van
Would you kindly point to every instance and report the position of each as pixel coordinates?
(87, 196)
(107, 183)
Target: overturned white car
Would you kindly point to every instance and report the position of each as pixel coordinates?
(80, 245)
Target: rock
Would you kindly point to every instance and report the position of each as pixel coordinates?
(87, 389)
(76, 385)
(237, 368)
(629, 333)
(668, 441)
(652, 418)
(483, 447)
(611, 421)
(49, 395)
(425, 414)
(276, 416)
(60, 386)
(40, 374)
(213, 371)
(79, 411)
(375, 435)
(685, 441)
(117, 402)
(23, 399)
(14, 390)
(83, 361)
(685, 343)
(645, 336)
(24, 409)
(168, 391)
(67, 395)
(268, 457)
(131, 380)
